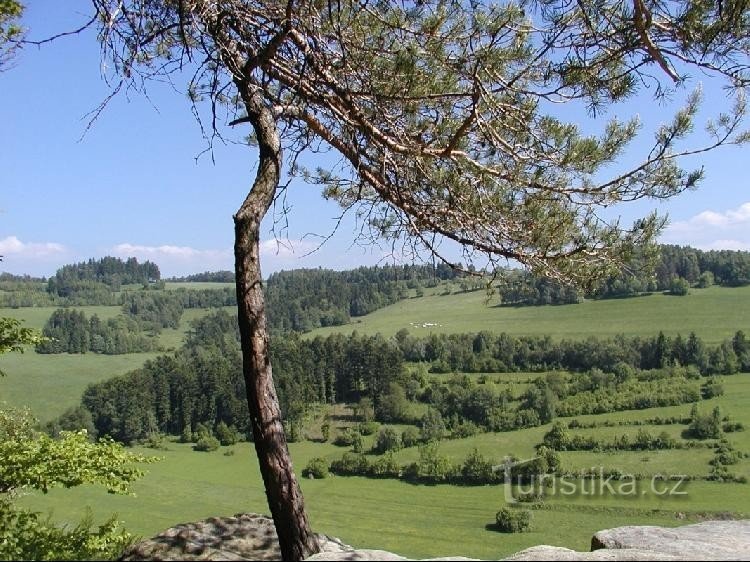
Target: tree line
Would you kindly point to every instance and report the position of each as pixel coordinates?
(71, 331)
(303, 299)
(201, 383)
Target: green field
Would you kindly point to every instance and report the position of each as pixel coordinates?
(419, 520)
(50, 383)
(416, 521)
(714, 314)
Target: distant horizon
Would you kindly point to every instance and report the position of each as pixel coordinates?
(139, 181)
(167, 276)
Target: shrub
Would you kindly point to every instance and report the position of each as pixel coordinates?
(206, 444)
(477, 469)
(316, 468)
(711, 388)
(385, 467)
(368, 428)
(351, 464)
(433, 427)
(388, 440)
(156, 440)
(226, 435)
(347, 438)
(510, 520)
(705, 426)
(679, 286)
(465, 429)
(410, 436)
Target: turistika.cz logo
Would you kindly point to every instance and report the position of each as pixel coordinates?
(596, 482)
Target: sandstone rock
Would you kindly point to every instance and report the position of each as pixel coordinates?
(246, 536)
(545, 552)
(710, 540)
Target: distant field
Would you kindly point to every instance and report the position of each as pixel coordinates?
(50, 384)
(714, 314)
(171, 285)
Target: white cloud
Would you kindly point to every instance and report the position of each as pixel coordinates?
(713, 230)
(11, 245)
(286, 249)
(168, 251)
(184, 260)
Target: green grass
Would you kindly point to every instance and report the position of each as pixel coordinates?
(171, 285)
(714, 314)
(50, 384)
(412, 520)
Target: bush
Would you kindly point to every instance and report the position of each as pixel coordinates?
(351, 464)
(433, 427)
(227, 435)
(510, 520)
(368, 428)
(477, 469)
(206, 444)
(316, 468)
(410, 436)
(348, 438)
(465, 429)
(388, 440)
(711, 388)
(385, 467)
(679, 286)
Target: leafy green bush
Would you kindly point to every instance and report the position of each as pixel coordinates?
(25, 535)
(388, 440)
(711, 388)
(227, 435)
(385, 466)
(509, 520)
(316, 467)
(704, 426)
(351, 464)
(368, 427)
(477, 469)
(206, 444)
(410, 436)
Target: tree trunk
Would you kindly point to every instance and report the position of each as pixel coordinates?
(282, 490)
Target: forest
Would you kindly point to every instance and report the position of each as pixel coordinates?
(201, 383)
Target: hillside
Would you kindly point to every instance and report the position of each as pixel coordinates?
(714, 314)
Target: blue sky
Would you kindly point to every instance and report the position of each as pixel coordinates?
(132, 185)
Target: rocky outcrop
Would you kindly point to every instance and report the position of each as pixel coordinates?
(710, 540)
(246, 536)
(253, 537)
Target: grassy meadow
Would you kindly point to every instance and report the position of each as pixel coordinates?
(714, 314)
(420, 520)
